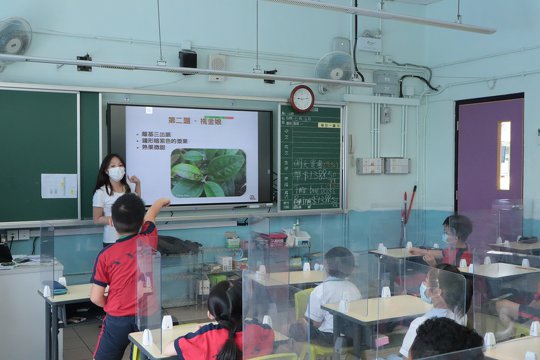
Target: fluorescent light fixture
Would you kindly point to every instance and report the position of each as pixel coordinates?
(180, 70)
(387, 16)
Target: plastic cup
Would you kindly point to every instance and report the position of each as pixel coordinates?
(409, 245)
(267, 320)
(380, 247)
(262, 269)
(462, 263)
(62, 280)
(147, 338)
(343, 306)
(530, 355)
(487, 260)
(436, 246)
(489, 339)
(385, 293)
(525, 263)
(167, 323)
(499, 240)
(306, 267)
(506, 243)
(471, 268)
(535, 328)
(46, 291)
(317, 267)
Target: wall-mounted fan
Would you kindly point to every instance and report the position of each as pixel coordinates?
(337, 65)
(15, 37)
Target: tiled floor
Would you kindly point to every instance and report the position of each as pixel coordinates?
(80, 341)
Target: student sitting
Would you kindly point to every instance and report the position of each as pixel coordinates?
(116, 267)
(457, 229)
(510, 311)
(339, 264)
(450, 294)
(224, 340)
(442, 336)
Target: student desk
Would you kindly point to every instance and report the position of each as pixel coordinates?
(290, 278)
(75, 294)
(153, 352)
(496, 273)
(518, 247)
(396, 253)
(365, 313)
(514, 349)
(499, 270)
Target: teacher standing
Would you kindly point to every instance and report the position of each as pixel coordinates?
(110, 185)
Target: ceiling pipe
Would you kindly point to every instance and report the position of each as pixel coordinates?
(180, 70)
(387, 16)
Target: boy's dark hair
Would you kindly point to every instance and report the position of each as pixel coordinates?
(457, 290)
(225, 305)
(461, 224)
(128, 214)
(340, 262)
(441, 336)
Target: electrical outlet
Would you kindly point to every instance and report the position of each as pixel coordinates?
(24, 234)
(12, 235)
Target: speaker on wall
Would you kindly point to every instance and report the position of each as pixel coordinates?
(216, 62)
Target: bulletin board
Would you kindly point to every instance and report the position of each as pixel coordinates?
(41, 136)
(310, 159)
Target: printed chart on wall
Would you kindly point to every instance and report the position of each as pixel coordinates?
(310, 176)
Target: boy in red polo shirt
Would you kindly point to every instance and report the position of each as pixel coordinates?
(116, 267)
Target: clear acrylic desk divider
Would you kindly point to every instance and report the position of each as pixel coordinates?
(268, 313)
(475, 353)
(500, 289)
(148, 288)
(444, 295)
(50, 269)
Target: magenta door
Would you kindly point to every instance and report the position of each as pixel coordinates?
(484, 154)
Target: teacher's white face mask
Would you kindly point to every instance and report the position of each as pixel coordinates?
(117, 173)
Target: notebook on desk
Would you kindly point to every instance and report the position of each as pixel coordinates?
(5, 253)
(56, 287)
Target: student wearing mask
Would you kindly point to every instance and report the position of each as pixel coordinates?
(111, 183)
(457, 229)
(449, 292)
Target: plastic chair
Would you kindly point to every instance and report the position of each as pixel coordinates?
(301, 299)
(284, 356)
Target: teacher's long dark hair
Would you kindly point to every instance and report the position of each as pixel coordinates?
(225, 305)
(103, 177)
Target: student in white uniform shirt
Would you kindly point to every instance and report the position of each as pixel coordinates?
(111, 183)
(449, 292)
(339, 264)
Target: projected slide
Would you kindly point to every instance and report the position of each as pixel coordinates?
(193, 156)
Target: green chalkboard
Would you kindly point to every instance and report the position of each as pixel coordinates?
(40, 136)
(310, 159)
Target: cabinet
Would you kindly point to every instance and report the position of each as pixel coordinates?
(22, 311)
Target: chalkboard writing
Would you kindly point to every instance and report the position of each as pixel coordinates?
(310, 159)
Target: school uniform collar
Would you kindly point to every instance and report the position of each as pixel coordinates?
(125, 238)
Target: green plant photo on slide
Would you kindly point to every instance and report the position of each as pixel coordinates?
(208, 173)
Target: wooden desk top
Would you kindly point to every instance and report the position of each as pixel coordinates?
(368, 311)
(517, 246)
(397, 253)
(514, 349)
(499, 270)
(170, 335)
(291, 278)
(76, 293)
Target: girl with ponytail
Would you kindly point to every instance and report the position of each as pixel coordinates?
(224, 340)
